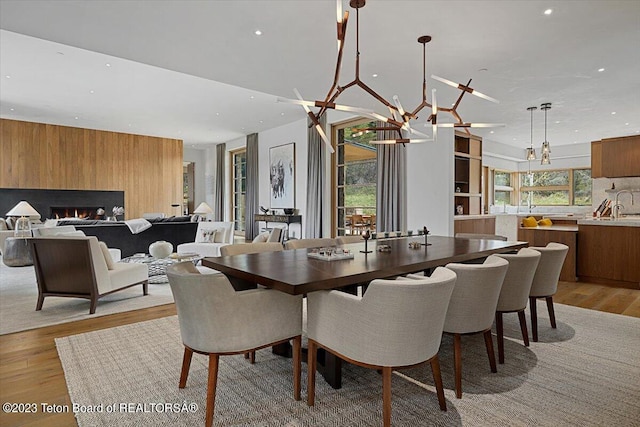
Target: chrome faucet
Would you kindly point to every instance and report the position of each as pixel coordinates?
(615, 209)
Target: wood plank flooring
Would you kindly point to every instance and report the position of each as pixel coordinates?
(30, 370)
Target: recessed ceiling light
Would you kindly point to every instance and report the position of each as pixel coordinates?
(613, 112)
(91, 91)
(600, 70)
(76, 117)
(575, 142)
(374, 75)
(261, 121)
(626, 124)
(514, 139)
(14, 109)
(258, 33)
(8, 77)
(252, 97)
(557, 121)
(282, 114)
(217, 114)
(576, 130)
(129, 124)
(107, 64)
(548, 11)
(491, 132)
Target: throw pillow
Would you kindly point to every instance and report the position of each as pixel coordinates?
(221, 235)
(77, 233)
(107, 256)
(209, 236)
(545, 221)
(529, 222)
(262, 237)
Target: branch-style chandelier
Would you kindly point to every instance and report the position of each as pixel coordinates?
(545, 159)
(399, 119)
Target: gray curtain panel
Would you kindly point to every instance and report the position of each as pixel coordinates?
(315, 181)
(218, 196)
(391, 184)
(251, 228)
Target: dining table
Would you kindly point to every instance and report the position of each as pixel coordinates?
(294, 272)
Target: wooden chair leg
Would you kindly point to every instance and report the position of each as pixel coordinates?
(523, 327)
(534, 318)
(246, 355)
(211, 389)
(437, 379)
(386, 396)
(457, 364)
(252, 357)
(40, 302)
(297, 366)
(552, 314)
(186, 364)
(488, 341)
(500, 333)
(312, 354)
(94, 303)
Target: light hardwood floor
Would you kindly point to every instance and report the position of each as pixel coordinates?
(30, 370)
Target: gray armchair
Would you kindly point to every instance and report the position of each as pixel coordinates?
(514, 294)
(473, 307)
(396, 324)
(545, 281)
(216, 320)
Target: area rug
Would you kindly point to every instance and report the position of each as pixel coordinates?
(585, 373)
(19, 295)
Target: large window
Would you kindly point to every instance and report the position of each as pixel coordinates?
(502, 188)
(239, 187)
(556, 187)
(355, 175)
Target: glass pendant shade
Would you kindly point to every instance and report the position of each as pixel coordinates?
(545, 147)
(545, 160)
(531, 153)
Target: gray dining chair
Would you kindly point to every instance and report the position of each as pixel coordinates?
(250, 248)
(473, 307)
(515, 292)
(309, 243)
(545, 281)
(345, 240)
(396, 324)
(216, 320)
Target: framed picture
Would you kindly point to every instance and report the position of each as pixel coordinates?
(282, 173)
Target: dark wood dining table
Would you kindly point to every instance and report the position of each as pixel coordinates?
(293, 272)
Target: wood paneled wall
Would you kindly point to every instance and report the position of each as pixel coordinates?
(147, 169)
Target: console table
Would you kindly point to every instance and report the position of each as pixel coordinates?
(280, 219)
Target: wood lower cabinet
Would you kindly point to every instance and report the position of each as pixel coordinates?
(565, 234)
(609, 255)
(475, 225)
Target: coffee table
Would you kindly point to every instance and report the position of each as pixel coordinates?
(158, 266)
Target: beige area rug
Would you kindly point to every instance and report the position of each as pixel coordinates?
(585, 373)
(19, 295)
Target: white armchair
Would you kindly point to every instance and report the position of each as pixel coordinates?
(397, 323)
(216, 320)
(210, 237)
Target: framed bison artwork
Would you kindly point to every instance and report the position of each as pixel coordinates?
(282, 173)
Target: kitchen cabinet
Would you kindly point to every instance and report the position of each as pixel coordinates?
(615, 157)
(468, 174)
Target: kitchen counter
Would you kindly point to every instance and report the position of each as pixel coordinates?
(464, 217)
(483, 224)
(621, 222)
(566, 234)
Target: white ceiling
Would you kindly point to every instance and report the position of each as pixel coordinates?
(188, 69)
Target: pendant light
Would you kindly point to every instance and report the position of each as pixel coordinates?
(531, 152)
(545, 160)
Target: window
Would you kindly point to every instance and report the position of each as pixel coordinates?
(502, 188)
(556, 187)
(239, 187)
(355, 175)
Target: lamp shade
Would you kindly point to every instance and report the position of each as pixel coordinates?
(23, 209)
(203, 209)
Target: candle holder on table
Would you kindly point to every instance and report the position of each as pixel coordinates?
(426, 232)
(366, 235)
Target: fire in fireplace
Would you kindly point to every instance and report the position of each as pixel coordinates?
(77, 212)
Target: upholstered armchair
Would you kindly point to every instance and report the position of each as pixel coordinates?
(216, 320)
(514, 294)
(396, 324)
(309, 243)
(210, 237)
(81, 267)
(545, 281)
(473, 306)
(275, 235)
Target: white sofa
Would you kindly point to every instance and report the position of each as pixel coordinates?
(210, 237)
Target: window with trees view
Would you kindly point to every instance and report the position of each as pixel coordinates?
(556, 187)
(502, 188)
(355, 174)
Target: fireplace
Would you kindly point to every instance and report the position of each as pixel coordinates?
(62, 203)
(80, 212)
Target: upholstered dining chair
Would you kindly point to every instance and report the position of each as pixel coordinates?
(473, 307)
(515, 292)
(545, 281)
(216, 320)
(396, 324)
(309, 243)
(480, 236)
(345, 240)
(250, 248)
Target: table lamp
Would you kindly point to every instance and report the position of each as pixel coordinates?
(203, 209)
(23, 226)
